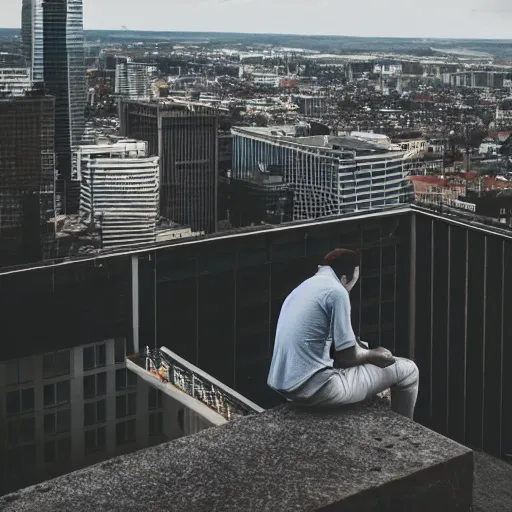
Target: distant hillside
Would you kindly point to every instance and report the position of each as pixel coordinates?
(338, 44)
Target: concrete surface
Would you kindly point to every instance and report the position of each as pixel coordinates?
(493, 484)
(359, 458)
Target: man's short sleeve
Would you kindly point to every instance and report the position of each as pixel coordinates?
(341, 321)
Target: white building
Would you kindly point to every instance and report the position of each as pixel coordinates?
(15, 81)
(266, 79)
(388, 69)
(134, 80)
(119, 192)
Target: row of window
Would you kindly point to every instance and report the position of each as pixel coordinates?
(58, 364)
(21, 457)
(59, 393)
(22, 430)
(96, 439)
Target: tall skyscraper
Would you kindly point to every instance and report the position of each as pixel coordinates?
(53, 43)
(27, 161)
(185, 137)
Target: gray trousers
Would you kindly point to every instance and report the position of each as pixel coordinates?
(355, 384)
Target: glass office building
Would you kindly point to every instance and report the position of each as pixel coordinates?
(53, 44)
(329, 175)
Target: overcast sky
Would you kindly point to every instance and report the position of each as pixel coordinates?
(400, 18)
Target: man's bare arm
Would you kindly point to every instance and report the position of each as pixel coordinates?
(356, 356)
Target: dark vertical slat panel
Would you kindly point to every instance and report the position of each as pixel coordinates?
(475, 336)
(506, 430)
(403, 288)
(493, 341)
(423, 317)
(440, 328)
(177, 300)
(456, 359)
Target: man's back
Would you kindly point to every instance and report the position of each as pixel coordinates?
(305, 332)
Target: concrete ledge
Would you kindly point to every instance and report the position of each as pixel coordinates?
(359, 458)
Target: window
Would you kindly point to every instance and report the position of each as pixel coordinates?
(125, 432)
(125, 379)
(95, 385)
(126, 405)
(156, 424)
(95, 356)
(56, 394)
(57, 422)
(21, 431)
(20, 401)
(19, 371)
(56, 364)
(154, 398)
(119, 350)
(95, 440)
(57, 450)
(95, 412)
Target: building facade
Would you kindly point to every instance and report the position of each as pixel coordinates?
(27, 180)
(134, 79)
(119, 192)
(185, 137)
(329, 175)
(67, 409)
(262, 198)
(15, 81)
(53, 43)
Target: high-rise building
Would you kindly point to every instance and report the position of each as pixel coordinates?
(329, 175)
(27, 193)
(185, 137)
(133, 79)
(53, 44)
(119, 192)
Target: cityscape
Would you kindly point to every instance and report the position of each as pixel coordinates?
(170, 189)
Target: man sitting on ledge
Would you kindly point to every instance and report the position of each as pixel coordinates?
(315, 316)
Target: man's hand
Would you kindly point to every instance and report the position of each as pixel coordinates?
(349, 285)
(381, 357)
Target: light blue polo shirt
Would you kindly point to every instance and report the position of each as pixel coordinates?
(314, 315)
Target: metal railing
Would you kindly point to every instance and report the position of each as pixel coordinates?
(170, 371)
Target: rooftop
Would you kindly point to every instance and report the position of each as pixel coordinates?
(287, 133)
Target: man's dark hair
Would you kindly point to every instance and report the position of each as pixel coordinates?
(343, 262)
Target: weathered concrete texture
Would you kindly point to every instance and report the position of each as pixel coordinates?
(493, 484)
(359, 458)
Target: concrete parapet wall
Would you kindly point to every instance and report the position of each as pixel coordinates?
(360, 458)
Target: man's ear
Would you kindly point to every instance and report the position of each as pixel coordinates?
(344, 280)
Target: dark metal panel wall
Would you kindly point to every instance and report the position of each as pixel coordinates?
(493, 338)
(440, 338)
(65, 306)
(462, 328)
(423, 337)
(506, 362)
(457, 333)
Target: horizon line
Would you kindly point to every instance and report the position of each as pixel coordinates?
(285, 34)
